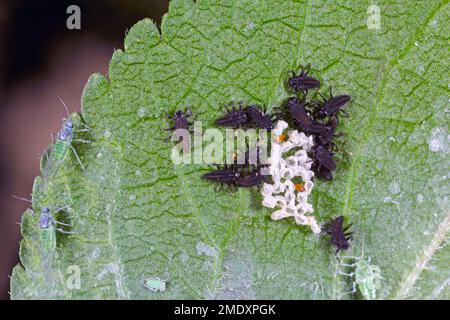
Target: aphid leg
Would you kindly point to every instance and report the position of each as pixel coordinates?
(83, 130)
(66, 232)
(82, 141)
(63, 224)
(62, 209)
(352, 291)
(78, 158)
(350, 275)
(348, 265)
(347, 227)
(353, 288)
(86, 126)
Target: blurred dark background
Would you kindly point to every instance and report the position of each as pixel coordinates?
(41, 59)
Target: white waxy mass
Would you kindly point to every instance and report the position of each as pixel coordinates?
(289, 160)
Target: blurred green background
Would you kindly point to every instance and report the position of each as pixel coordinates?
(41, 60)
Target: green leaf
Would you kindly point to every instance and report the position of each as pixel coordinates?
(137, 216)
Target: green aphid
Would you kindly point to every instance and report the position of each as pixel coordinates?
(368, 278)
(155, 284)
(48, 228)
(63, 143)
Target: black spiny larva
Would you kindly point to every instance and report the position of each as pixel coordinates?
(330, 107)
(303, 121)
(326, 137)
(235, 117)
(261, 119)
(253, 179)
(323, 157)
(298, 113)
(302, 82)
(180, 120)
(226, 175)
(339, 237)
(321, 172)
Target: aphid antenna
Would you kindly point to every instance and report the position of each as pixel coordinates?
(23, 199)
(65, 106)
(53, 135)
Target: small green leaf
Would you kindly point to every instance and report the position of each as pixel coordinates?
(138, 216)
